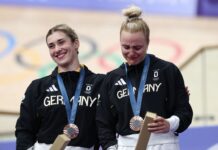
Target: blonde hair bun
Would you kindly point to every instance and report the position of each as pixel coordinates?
(132, 12)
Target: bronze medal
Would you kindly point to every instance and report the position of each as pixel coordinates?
(71, 130)
(136, 123)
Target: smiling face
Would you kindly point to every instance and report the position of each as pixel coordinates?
(63, 50)
(134, 46)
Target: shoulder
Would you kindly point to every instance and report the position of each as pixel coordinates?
(35, 89)
(169, 69)
(43, 80)
(41, 83)
(120, 71)
(162, 64)
(114, 76)
(92, 76)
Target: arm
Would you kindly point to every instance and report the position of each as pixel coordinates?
(178, 108)
(106, 119)
(183, 108)
(178, 98)
(26, 127)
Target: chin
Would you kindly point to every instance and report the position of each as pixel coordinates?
(132, 63)
(62, 63)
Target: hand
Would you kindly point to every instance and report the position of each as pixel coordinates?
(160, 125)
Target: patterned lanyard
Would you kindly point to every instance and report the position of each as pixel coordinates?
(71, 113)
(136, 105)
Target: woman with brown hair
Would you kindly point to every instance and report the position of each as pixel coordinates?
(63, 102)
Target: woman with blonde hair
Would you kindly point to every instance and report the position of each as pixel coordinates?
(142, 83)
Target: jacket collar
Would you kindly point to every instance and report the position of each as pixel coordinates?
(121, 70)
(55, 71)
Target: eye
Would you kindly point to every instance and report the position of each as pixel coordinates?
(137, 47)
(51, 46)
(126, 47)
(61, 42)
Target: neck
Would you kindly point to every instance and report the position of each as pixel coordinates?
(73, 67)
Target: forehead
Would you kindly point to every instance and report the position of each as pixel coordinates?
(132, 37)
(55, 36)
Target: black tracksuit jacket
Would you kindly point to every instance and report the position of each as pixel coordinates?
(164, 94)
(43, 115)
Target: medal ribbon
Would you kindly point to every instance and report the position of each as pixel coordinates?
(71, 111)
(136, 105)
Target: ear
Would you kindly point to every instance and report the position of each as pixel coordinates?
(76, 44)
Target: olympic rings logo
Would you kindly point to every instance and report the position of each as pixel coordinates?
(10, 43)
(33, 61)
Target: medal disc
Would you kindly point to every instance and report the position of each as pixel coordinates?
(71, 130)
(136, 123)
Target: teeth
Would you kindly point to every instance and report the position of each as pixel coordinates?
(60, 56)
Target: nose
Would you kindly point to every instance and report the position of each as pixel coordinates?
(131, 52)
(57, 48)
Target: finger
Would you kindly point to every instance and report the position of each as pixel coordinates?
(158, 129)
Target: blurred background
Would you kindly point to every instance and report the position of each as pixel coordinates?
(184, 32)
